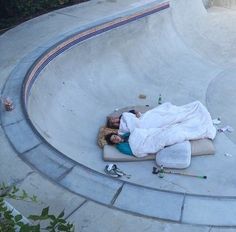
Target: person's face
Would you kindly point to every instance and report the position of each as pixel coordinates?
(116, 139)
(114, 120)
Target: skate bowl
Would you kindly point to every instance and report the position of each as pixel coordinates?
(178, 49)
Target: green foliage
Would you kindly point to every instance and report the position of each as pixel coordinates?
(16, 11)
(10, 222)
(23, 8)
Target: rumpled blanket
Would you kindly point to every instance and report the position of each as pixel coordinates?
(166, 125)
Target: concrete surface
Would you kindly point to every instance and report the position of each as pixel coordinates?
(12, 168)
(57, 201)
(184, 47)
(86, 183)
(94, 217)
(214, 211)
(76, 90)
(163, 204)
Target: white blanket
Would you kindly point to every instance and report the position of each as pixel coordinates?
(166, 125)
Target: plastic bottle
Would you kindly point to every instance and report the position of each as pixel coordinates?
(159, 100)
(161, 172)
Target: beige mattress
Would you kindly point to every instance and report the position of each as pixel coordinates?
(198, 148)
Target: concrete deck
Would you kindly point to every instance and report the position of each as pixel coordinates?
(80, 63)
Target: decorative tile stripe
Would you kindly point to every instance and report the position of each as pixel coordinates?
(75, 39)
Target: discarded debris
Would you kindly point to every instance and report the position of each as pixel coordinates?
(8, 103)
(226, 128)
(142, 96)
(114, 171)
(228, 155)
(162, 171)
(216, 121)
(159, 100)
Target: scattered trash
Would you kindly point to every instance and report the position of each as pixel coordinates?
(142, 96)
(216, 121)
(114, 171)
(226, 128)
(159, 100)
(162, 171)
(8, 103)
(109, 170)
(228, 155)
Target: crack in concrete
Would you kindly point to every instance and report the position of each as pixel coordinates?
(77, 208)
(170, 182)
(182, 209)
(117, 194)
(13, 123)
(15, 181)
(147, 228)
(72, 16)
(32, 148)
(64, 174)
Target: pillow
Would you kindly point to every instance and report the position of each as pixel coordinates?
(103, 131)
(175, 156)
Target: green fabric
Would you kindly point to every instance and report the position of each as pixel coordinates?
(124, 147)
(126, 136)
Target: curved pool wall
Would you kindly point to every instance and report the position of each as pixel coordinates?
(77, 102)
(107, 71)
(79, 37)
(86, 86)
(88, 75)
(210, 33)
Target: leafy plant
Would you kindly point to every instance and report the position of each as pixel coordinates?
(16, 11)
(11, 222)
(26, 7)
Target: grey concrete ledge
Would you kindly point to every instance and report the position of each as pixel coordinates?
(150, 202)
(88, 184)
(48, 161)
(209, 211)
(21, 136)
(112, 220)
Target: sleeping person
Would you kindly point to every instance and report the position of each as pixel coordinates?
(120, 142)
(114, 122)
(166, 125)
